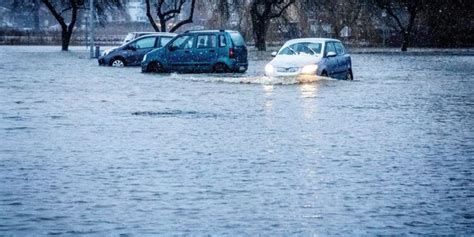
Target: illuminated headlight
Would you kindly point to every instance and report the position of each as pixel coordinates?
(144, 58)
(309, 69)
(269, 69)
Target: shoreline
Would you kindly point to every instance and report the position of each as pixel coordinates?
(253, 50)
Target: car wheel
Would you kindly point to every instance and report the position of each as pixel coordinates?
(117, 62)
(349, 75)
(155, 67)
(220, 68)
(324, 74)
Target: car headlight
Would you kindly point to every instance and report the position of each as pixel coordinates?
(144, 58)
(309, 69)
(269, 69)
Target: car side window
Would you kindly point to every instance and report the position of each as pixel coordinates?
(222, 41)
(145, 43)
(339, 49)
(184, 42)
(206, 41)
(330, 47)
(164, 41)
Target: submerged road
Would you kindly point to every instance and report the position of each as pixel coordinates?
(104, 151)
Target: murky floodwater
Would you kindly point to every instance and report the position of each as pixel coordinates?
(95, 150)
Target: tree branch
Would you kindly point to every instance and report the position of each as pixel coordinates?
(282, 10)
(187, 21)
(56, 15)
(150, 17)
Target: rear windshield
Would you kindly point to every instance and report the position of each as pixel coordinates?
(237, 39)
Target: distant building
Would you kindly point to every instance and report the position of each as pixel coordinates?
(136, 10)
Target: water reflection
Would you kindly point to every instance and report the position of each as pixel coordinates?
(268, 90)
(308, 93)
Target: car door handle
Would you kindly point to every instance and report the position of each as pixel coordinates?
(212, 51)
(187, 51)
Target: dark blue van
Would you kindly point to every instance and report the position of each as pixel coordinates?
(200, 51)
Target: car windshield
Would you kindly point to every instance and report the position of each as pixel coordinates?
(302, 49)
(184, 42)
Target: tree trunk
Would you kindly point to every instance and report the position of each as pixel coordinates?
(66, 38)
(259, 30)
(163, 24)
(405, 41)
(36, 18)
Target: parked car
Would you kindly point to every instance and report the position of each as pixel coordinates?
(200, 51)
(135, 35)
(131, 53)
(311, 56)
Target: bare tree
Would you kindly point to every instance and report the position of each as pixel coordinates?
(221, 12)
(167, 10)
(404, 13)
(340, 13)
(69, 9)
(262, 11)
(32, 7)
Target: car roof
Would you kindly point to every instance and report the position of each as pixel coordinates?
(311, 40)
(155, 33)
(210, 31)
(151, 35)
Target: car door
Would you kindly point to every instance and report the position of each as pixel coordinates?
(331, 62)
(142, 47)
(342, 59)
(179, 56)
(205, 53)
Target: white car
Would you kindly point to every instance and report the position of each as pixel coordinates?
(311, 57)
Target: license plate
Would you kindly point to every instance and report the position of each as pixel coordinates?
(289, 69)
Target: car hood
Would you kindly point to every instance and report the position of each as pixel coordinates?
(294, 60)
(155, 53)
(109, 50)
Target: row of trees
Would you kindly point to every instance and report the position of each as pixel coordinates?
(402, 15)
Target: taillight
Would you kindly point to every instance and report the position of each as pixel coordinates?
(231, 53)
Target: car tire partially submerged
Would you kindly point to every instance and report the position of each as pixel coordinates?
(117, 62)
(155, 67)
(349, 76)
(220, 68)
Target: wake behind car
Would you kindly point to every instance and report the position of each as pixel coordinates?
(311, 57)
(200, 51)
(131, 53)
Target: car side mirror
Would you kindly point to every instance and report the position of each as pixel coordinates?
(172, 47)
(331, 54)
(274, 53)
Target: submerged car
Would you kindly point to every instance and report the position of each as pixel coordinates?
(200, 51)
(131, 53)
(311, 57)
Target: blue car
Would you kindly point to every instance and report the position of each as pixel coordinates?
(200, 51)
(131, 53)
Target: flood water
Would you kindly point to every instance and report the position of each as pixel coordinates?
(89, 150)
